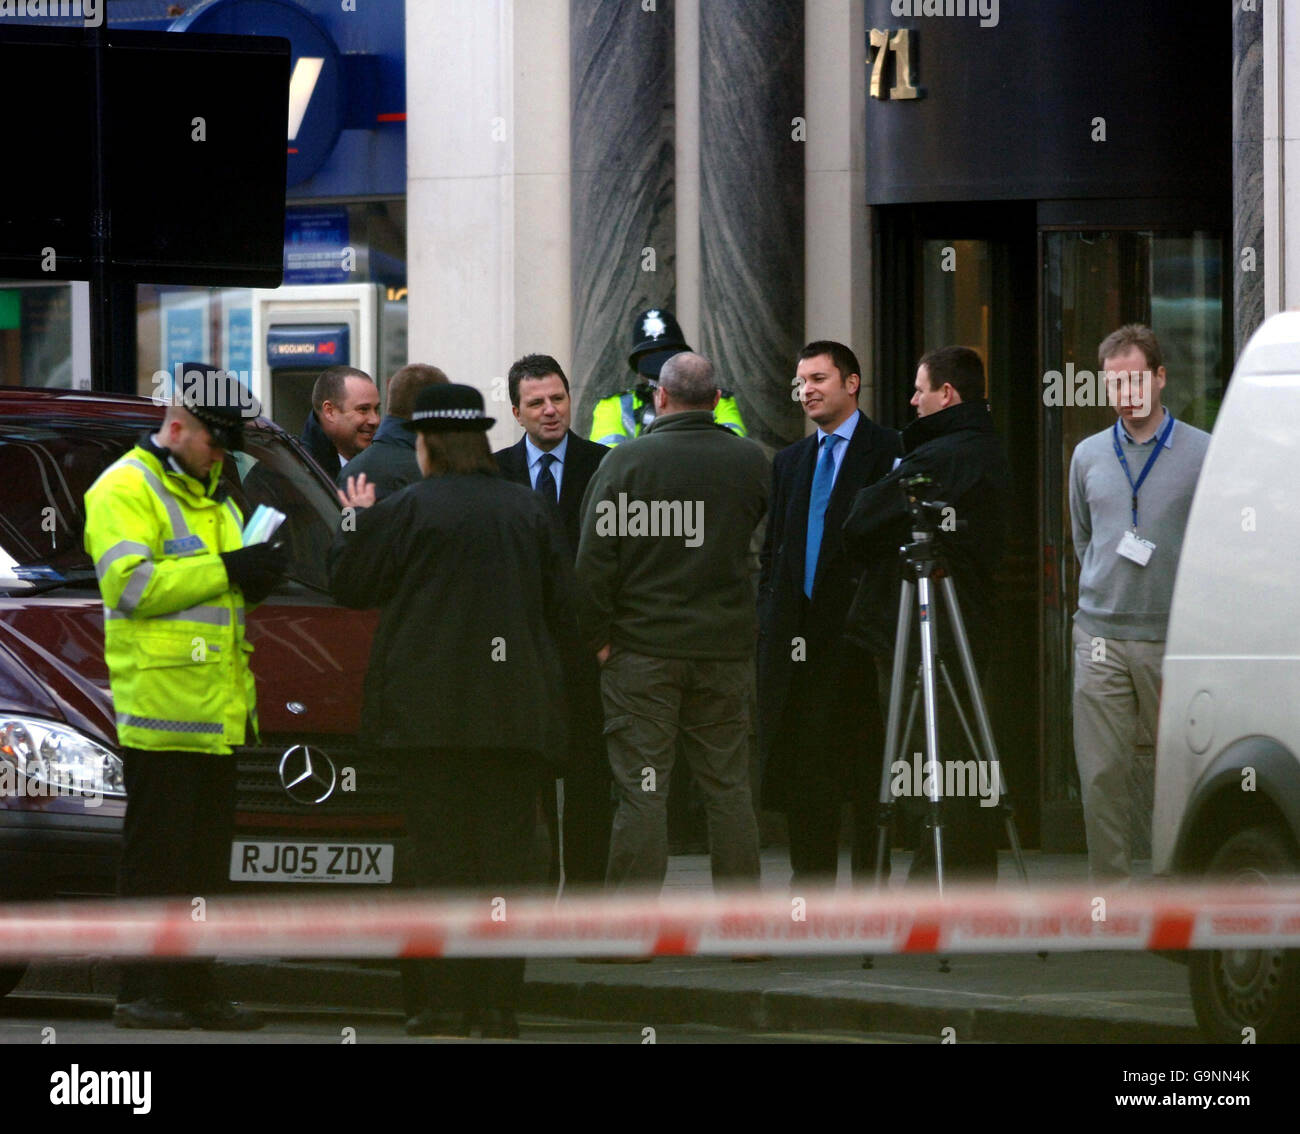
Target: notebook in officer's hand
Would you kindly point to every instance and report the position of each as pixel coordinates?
(262, 525)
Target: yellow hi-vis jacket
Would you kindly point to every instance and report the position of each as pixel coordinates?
(173, 625)
(618, 418)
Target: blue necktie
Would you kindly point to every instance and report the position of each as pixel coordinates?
(545, 481)
(823, 482)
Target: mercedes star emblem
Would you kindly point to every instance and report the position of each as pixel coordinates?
(307, 774)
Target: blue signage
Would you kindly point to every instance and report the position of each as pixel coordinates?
(314, 243)
(186, 338)
(239, 340)
(316, 102)
(302, 347)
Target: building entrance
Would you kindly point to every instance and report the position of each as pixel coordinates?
(965, 275)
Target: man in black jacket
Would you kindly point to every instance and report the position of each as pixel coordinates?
(819, 737)
(389, 460)
(953, 442)
(552, 459)
(667, 603)
(468, 677)
(343, 419)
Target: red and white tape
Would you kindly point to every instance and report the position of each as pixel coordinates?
(829, 922)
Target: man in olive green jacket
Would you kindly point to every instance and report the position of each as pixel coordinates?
(667, 602)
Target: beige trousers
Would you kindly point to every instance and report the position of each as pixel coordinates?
(1116, 706)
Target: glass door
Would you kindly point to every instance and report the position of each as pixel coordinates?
(965, 275)
(1094, 281)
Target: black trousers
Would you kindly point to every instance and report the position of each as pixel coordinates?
(470, 813)
(175, 843)
(832, 746)
(970, 832)
(588, 820)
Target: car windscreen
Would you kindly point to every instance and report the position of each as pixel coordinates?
(46, 466)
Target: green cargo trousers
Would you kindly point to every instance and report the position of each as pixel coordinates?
(648, 700)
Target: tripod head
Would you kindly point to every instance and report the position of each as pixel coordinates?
(927, 511)
(931, 518)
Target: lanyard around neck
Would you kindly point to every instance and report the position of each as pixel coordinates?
(1151, 460)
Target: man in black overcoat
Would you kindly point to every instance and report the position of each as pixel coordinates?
(468, 676)
(953, 442)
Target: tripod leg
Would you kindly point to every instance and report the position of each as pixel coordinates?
(957, 708)
(892, 740)
(989, 750)
(885, 818)
(929, 699)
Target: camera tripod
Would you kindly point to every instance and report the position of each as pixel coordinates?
(921, 565)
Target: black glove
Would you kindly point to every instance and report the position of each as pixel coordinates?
(255, 570)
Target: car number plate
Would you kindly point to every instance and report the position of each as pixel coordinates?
(311, 862)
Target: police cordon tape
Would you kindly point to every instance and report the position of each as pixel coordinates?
(827, 922)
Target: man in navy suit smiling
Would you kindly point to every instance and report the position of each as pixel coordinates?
(557, 463)
(819, 733)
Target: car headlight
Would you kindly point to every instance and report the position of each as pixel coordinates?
(57, 761)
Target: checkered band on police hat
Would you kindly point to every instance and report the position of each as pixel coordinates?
(449, 408)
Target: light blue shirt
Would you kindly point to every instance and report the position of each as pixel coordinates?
(845, 434)
(1169, 441)
(557, 466)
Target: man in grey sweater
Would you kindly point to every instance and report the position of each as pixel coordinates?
(666, 599)
(1131, 488)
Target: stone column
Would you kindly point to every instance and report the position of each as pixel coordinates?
(752, 140)
(622, 223)
(1247, 174)
(487, 189)
(837, 275)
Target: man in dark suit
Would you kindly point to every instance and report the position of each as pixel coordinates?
(820, 734)
(557, 463)
(343, 419)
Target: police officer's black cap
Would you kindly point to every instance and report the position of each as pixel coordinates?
(656, 337)
(449, 408)
(218, 399)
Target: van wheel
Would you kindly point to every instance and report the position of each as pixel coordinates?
(10, 975)
(1233, 989)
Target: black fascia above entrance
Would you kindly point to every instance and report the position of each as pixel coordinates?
(192, 148)
(1056, 99)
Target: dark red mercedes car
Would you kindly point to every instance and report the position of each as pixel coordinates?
(314, 806)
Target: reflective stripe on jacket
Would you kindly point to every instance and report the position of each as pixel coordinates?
(618, 417)
(173, 625)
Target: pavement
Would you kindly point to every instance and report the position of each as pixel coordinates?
(1094, 997)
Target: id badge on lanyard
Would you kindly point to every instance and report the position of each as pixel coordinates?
(1132, 546)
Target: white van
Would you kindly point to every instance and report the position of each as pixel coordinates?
(1227, 799)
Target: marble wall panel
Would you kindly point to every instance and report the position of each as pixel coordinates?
(752, 205)
(1247, 173)
(622, 185)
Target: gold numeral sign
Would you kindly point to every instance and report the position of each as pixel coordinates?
(900, 43)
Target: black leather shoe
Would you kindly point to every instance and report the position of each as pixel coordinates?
(226, 1016)
(500, 1023)
(153, 1012)
(431, 1023)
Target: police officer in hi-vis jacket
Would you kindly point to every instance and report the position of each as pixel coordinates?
(656, 337)
(167, 544)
